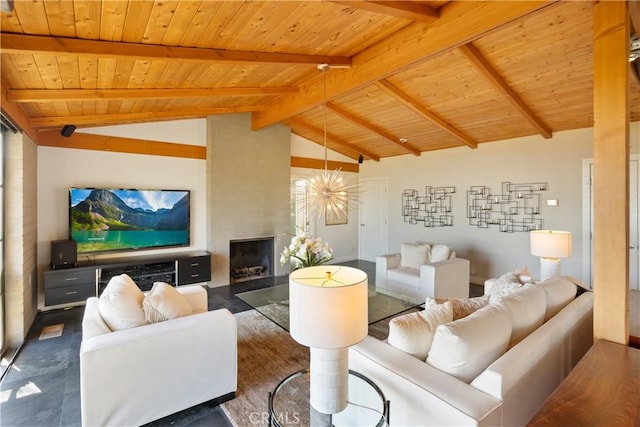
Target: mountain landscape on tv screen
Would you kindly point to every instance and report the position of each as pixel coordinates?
(103, 210)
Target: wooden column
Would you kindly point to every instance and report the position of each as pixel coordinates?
(611, 170)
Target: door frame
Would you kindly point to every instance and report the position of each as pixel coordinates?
(384, 182)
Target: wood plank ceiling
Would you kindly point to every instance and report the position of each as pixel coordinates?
(405, 77)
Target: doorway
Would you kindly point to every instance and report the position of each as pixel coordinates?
(374, 218)
(634, 223)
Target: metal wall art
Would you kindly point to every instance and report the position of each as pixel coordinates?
(433, 209)
(516, 209)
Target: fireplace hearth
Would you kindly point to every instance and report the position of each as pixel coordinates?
(250, 259)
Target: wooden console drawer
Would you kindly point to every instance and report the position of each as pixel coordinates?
(69, 294)
(69, 277)
(194, 269)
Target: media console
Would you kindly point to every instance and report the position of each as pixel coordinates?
(75, 285)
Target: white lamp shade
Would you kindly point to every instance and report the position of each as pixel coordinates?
(550, 243)
(328, 312)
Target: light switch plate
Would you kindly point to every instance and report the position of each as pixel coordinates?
(552, 202)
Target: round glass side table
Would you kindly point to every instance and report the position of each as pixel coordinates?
(289, 404)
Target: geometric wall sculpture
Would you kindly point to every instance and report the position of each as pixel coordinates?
(515, 209)
(433, 209)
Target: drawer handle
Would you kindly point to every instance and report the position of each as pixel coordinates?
(71, 292)
(195, 264)
(68, 279)
(195, 275)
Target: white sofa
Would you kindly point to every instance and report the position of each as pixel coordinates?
(137, 375)
(506, 393)
(423, 270)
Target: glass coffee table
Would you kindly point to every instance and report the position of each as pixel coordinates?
(273, 303)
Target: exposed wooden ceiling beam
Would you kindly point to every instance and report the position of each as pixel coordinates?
(21, 43)
(19, 118)
(47, 95)
(459, 23)
(302, 124)
(410, 10)
(375, 129)
(116, 119)
(491, 75)
(309, 163)
(87, 141)
(423, 111)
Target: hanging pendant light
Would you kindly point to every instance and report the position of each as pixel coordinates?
(327, 192)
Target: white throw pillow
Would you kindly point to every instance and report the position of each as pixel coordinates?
(527, 307)
(505, 284)
(120, 304)
(558, 292)
(413, 256)
(413, 332)
(164, 302)
(462, 307)
(465, 347)
(439, 252)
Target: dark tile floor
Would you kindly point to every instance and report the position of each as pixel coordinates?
(42, 387)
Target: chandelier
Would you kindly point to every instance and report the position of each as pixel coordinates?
(327, 192)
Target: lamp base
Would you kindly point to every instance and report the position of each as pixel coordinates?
(549, 267)
(329, 379)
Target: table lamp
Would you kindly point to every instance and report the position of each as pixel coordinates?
(550, 245)
(328, 312)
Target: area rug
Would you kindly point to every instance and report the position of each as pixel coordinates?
(266, 355)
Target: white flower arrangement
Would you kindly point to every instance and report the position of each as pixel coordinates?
(305, 251)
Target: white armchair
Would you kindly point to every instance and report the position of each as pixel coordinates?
(423, 270)
(137, 375)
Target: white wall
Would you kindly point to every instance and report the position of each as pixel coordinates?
(557, 161)
(61, 168)
(342, 238)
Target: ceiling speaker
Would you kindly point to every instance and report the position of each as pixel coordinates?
(67, 130)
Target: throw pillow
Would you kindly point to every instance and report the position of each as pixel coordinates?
(462, 307)
(558, 292)
(164, 302)
(413, 332)
(439, 252)
(465, 347)
(527, 307)
(120, 304)
(505, 284)
(413, 256)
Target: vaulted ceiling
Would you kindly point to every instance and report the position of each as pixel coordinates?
(404, 77)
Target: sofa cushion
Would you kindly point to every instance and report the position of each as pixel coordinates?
(527, 306)
(465, 347)
(120, 304)
(413, 332)
(558, 292)
(439, 252)
(414, 255)
(462, 307)
(164, 302)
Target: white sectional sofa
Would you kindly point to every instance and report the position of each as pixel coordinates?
(422, 270)
(508, 391)
(139, 374)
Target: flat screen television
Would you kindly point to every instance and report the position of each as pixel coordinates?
(108, 219)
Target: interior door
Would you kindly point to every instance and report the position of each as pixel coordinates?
(634, 222)
(374, 221)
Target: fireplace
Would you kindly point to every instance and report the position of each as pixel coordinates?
(250, 259)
